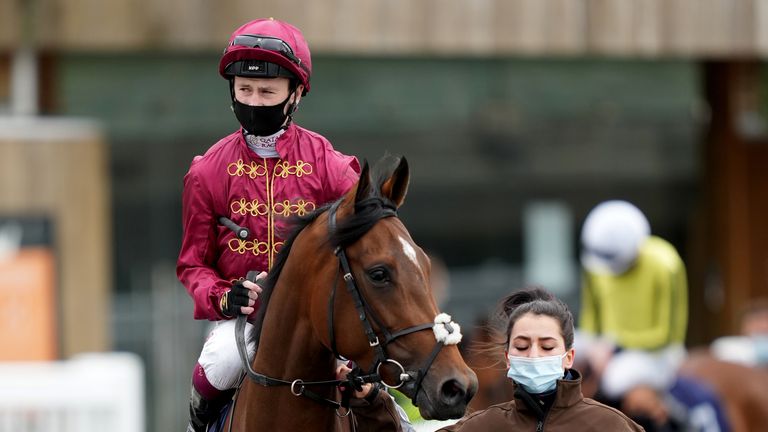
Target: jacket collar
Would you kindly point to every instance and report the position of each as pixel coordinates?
(283, 144)
(568, 393)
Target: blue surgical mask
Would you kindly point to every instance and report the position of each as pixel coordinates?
(761, 348)
(536, 374)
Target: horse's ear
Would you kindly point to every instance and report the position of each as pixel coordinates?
(396, 187)
(364, 183)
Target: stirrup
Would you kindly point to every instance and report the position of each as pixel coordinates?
(190, 428)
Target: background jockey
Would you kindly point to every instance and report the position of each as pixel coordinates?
(634, 302)
(750, 347)
(257, 176)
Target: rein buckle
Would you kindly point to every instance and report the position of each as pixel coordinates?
(300, 390)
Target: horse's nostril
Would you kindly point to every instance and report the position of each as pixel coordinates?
(453, 393)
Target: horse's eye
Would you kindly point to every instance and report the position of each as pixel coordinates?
(378, 275)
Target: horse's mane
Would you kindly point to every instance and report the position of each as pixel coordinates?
(485, 341)
(296, 224)
(367, 212)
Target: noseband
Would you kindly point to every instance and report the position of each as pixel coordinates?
(446, 332)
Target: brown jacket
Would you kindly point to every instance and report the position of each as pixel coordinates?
(570, 411)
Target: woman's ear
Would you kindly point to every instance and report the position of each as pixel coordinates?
(570, 355)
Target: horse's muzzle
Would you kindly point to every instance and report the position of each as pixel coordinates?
(449, 399)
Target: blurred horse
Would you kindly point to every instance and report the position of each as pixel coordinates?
(350, 282)
(741, 390)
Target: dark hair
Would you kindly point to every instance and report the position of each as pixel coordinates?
(538, 301)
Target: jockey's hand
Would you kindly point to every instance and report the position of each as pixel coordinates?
(341, 373)
(241, 298)
(645, 401)
(600, 354)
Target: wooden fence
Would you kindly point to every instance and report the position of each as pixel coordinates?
(702, 28)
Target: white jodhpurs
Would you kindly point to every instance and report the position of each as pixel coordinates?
(631, 368)
(220, 359)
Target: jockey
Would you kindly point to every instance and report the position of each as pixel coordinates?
(264, 172)
(634, 298)
(658, 401)
(750, 348)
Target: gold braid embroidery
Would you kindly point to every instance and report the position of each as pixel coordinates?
(242, 246)
(284, 168)
(253, 207)
(276, 247)
(252, 170)
(270, 216)
(286, 208)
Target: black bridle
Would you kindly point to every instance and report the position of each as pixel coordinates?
(356, 378)
(364, 312)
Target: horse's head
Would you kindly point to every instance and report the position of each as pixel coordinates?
(382, 314)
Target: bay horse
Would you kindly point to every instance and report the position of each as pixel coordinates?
(742, 389)
(350, 282)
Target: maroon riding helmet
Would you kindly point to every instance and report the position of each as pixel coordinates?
(267, 48)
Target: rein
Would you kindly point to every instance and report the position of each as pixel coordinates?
(298, 386)
(446, 332)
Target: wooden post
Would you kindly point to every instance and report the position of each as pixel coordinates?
(58, 169)
(732, 268)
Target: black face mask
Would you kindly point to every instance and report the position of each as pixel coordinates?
(261, 120)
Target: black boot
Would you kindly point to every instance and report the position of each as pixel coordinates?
(202, 411)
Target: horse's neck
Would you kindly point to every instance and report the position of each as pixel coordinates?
(289, 346)
(289, 350)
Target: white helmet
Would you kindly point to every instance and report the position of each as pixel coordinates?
(611, 237)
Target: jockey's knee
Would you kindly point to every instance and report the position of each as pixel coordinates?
(220, 358)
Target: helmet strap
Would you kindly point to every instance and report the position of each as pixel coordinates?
(294, 106)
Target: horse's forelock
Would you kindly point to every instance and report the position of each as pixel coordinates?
(367, 213)
(367, 210)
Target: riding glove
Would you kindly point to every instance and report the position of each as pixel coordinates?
(234, 299)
